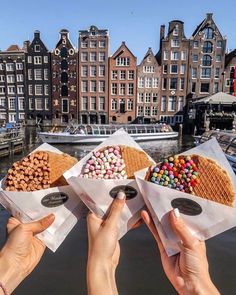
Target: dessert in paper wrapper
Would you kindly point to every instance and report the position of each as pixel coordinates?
(35, 187)
(110, 167)
(208, 205)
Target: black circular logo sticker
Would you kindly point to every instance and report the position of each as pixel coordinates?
(54, 199)
(129, 191)
(187, 206)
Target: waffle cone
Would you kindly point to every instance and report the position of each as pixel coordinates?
(134, 160)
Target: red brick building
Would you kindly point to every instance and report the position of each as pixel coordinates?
(122, 86)
(229, 73)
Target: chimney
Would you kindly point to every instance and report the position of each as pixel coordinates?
(162, 33)
(209, 16)
(36, 34)
(26, 45)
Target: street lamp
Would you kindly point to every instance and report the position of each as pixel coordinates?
(223, 81)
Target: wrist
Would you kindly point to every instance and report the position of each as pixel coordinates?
(10, 276)
(199, 287)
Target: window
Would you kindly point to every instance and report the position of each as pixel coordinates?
(38, 74)
(147, 97)
(147, 111)
(140, 97)
(29, 59)
(165, 69)
(122, 106)
(181, 84)
(219, 44)
(9, 67)
(101, 103)
(93, 44)
(84, 44)
(172, 104)
(155, 82)
(102, 56)
(10, 79)
(46, 104)
(131, 89)
(164, 83)
(93, 71)
(21, 103)
(207, 47)
(195, 44)
(84, 71)
(45, 74)
(154, 97)
(31, 103)
(195, 57)
(84, 56)
(182, 69)
(101, 71)
(93, 86)
(122, 61)
(206, 73)
(174, 43)
(84, 103)
(208, 33)
(2, 90)
(122, 89)
(65, 106)
(148, 69)
(93, 103)
(148, 82)
(102, 44)
(93, 56)
(11, 89)
(30, 89)
(205, 87)
(37, 60)
(174, 69)
(176, 30)
(122, 75)
(216, 87)
(45, 59)
(64, 64)
(36, 48)
(183, 55)
(141, 82)
(154, 111)
(173, 83)
(20, 89)
(38, 103)
(114, 88)
(114, 75)
(38, 89)
(217, 73)
(64, 52)
(218, 58)
(129, 104)
(165, 55)
(2, 78)
(3, 102)
(101, 86)
(194, 73)
(30, 74)
(130, 75)
(84, 86)
(193, 87)
(163, 103)
(113, 104)
(206, 60)
(181, 103)
(12, 103)
(140, 110)
(174, 55)
(19, 66)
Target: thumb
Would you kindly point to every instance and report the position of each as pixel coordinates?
(12, 224)
(39, 226)
(116, 209)
(181, 229)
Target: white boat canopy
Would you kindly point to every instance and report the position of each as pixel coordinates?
(218, 98)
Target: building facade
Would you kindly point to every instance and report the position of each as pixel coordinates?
(148, 89)
(38, 76)
(64, 81)
(93, 76)
(230, 73)
(12, 85)
(173, 57)
(122, 86)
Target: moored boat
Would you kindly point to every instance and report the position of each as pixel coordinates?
(92, 134)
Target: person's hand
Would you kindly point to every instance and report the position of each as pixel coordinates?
(188, 270)
(104, 249)
(22, 251)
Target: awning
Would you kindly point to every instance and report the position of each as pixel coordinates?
(218, 98)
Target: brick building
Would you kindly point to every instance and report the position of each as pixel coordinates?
(148, 88)
(12, 84)
(230, 73)
(64, 81)
(122, 86)
(93, 76)
(173, 57)
(38, 76)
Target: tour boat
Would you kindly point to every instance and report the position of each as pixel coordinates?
(92, 134)
(227, 141)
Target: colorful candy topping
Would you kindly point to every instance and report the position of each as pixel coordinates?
(105, 164)
(178, 172)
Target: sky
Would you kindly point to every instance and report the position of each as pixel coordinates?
(134, 21)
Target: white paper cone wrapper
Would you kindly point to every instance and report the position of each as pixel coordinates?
(97, 193)
(29, 206)
(205, 218)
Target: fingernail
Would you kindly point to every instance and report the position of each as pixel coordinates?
(176, 213)
(51, 217)
(121, 195)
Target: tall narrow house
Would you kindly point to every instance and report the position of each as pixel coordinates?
(122, 86)
(64, 81)
(93, 76)
(38, 77)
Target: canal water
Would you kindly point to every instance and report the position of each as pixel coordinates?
(140, 271)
